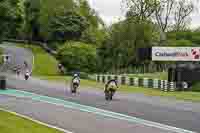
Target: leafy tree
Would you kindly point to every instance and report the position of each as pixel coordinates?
(186, 37)
(140, 9)
(48, 10)
(11, 18)
(124, 39)
(67, 26)
(182, 14)
(95, 32)
(32, 13)
(78, 56)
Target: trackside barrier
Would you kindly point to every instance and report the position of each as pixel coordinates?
(163, 85)
(2, 83)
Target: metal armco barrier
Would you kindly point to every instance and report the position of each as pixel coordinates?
(163, 85)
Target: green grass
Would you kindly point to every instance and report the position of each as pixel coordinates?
(188, 96)
(44, 64)
(158, 75)
(10, 123)
(1, 57)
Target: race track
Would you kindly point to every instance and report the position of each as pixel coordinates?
(180, 114)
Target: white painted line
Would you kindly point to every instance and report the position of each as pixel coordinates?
(36, 121)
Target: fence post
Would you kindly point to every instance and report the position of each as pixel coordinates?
(162, 85)
(165, 85)
(100, 78)
(156, 84)
(145, 82)
(150, 85)
(127, 79)
(131, 81)
(123, 80)
(136, 82)
(141, 82)
(97, 78)
(172, 86)
(103, 78)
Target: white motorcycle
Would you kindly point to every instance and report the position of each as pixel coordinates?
(75, 85)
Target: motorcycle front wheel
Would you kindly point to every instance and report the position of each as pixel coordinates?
(74, 89)
(26, 77)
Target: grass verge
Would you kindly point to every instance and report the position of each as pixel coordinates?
(10, 123)
(157, 75)
(44, 64)
(1, 57)
(187, 96)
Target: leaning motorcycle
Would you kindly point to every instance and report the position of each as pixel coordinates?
(109, 93)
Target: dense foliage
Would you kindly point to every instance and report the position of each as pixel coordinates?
(10, 18)
(77, 56)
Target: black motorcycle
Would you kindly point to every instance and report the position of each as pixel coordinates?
(74, 87)
(109, 93)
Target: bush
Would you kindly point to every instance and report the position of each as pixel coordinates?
(196, 87)
(77, 56)
(179, 43)
(84, 75)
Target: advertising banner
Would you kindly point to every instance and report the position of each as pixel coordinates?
(176, 53)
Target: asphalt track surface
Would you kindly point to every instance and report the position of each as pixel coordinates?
(179, 114)
(17, 57)
(73, 120)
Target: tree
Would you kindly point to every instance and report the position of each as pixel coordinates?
(68, 25)
(181, 17)
(11, 18)
(32, 26)
(119, 51)
(95, 32)
(163, 13)
(173, 12)
(90, 14)
(78, 56)
(141, 9)
(48, 9)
